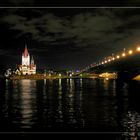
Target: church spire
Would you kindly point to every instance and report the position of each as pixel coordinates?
(32, 61)
(25, 51)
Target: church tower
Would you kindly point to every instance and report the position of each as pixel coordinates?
(32, 61)
(32, 66)
(28, 66)
(25, 57)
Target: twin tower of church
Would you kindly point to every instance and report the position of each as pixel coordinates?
(28, 66)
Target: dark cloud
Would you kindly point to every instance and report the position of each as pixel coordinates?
(84, 28)
(3, 52)
(81, 34)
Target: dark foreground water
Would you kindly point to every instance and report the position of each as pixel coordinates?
(70, 105)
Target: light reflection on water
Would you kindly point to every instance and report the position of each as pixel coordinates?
(131, 123)
(27, 94)
(70, 105)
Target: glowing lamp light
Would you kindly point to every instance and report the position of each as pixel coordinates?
(118, 56)
(109, 60)
(123, 54)
(105, 61)
(60, 75)
(102, 63)
(106, 78)
(130, 52)
(113, 58)
(138, 48)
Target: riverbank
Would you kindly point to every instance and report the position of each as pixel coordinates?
(42, 76)
(39, 77)
(52, 78)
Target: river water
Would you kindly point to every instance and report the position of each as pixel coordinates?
(70, 105)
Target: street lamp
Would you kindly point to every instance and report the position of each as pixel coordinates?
(138, 49)
(123, 54)
(130, 52)
(118, 57)
(113, 58)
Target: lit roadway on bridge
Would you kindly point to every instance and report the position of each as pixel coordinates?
(125, 64)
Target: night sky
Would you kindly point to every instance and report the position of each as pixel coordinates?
(70, 2)
(66, 38)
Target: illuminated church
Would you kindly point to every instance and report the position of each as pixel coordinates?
(28, 66)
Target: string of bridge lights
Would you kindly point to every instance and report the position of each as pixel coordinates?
(115, 57)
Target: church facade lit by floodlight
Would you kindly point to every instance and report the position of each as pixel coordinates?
(28, 66)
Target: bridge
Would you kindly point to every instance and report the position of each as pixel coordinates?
(125, 64)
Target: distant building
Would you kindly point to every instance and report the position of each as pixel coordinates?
(28, 66)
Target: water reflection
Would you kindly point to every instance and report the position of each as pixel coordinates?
(131, 119)
(60, 101)
(131, 124)
(27, 95)
(70, 105)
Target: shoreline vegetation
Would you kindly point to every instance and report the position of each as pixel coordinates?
(42, 76)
